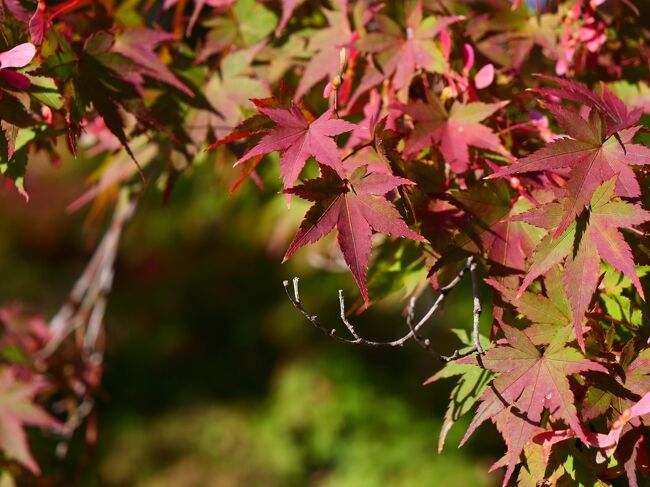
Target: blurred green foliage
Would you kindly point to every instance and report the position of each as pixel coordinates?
(321, 424)
(211, 377)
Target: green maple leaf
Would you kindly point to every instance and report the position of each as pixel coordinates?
(528, 381)
(471, 383)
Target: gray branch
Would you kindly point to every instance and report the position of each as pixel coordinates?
(293, 292)
(87, 301)
(84, 309)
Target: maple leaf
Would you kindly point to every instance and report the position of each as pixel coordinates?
(97, 77)
(565, 465)
(528, 381)
(600, 240)
(231, 91)
(484, 227)
(41, 20)
(470, 385)
(616, 114)
(355, 207)
(138, 45)
(248, 22)
(453, 131)
(487, 226)
(592, 157)
(299, 139)
(548, 314)
(288, 6)
(631, 385)
(326, 44)
(16, 410)
(401, 51)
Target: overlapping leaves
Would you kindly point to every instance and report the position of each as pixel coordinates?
(355, 207)
(529, 381)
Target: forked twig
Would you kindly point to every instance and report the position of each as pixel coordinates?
(84, 309)
(293, 292)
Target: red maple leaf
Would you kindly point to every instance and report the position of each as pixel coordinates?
(299, 139)
(41, 20)
(453, 131)
(529, 381)
(600, 240)
(401, 51)
(617, 116)
(355, 206)
(592, 157)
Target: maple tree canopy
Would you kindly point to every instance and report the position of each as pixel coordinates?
(502, 140)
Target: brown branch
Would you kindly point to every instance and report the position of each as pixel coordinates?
(293, 292)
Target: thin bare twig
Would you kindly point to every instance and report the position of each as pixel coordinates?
(344, 319)
(426, 343)
(293, 292)
(73, 422)
(410, 316)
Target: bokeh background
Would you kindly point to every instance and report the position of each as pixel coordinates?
(211, 377)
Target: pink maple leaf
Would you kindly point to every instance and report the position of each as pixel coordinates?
(299, 139)
(454, 130)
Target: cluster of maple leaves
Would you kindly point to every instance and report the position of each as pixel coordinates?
(422, 120)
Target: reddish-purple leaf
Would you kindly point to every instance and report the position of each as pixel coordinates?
(38, 23)
(326, 45)
(591, 158)
(617, 115)
(401, 51)
(580, 281)
(41, 20)
(528, 382)
(355, 208)
(299, 139)
(288, 6)
(600, 240)
(452, 131)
